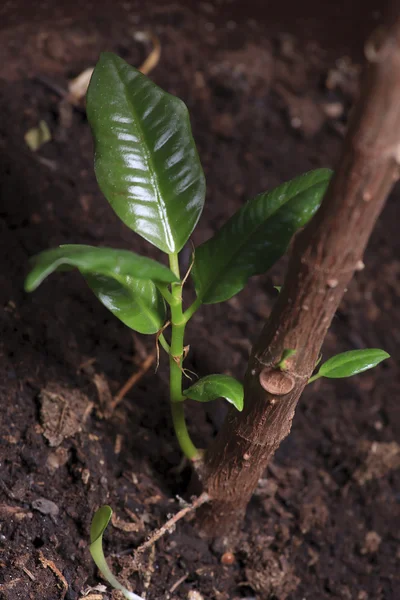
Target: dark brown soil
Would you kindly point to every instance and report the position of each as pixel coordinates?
(266, 105)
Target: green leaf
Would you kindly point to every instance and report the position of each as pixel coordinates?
(146, 161)
(99, 524)
(120, 280)
(102, 261)
(256, 236)
(212, 387)
(137, 303)
(350, 363)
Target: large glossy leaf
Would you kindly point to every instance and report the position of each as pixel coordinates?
(120, 280)
(146, 161)
(350, 363)
(103, 261)
(256, 236)
(212, 387)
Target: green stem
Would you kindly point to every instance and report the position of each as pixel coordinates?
(164, 343)
(188, 314)
(163, 288)
(314, 378)
(175, 364)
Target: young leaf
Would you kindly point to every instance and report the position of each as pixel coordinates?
(99, 524)
(137, 303)
(146, 161)
(287, 353)
(212, 387)
(350, 363)
(90, 259)
(256, 236)
(119, 279)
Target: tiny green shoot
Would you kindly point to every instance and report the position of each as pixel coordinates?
(99, 524)
(286, 354)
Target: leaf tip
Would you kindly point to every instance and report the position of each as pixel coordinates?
(100, 521)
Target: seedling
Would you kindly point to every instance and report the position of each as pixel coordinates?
(147, 166)
(99, 524)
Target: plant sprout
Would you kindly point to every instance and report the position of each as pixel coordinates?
(148, 169)
(99, 524)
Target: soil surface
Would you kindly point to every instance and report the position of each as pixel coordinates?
(269, 96)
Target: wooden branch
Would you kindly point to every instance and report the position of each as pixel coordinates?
(324, 258)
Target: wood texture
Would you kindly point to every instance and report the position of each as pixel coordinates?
(324, 258)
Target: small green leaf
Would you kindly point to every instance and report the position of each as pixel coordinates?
(137, 303)
(146, 161)
(212, 387)
(120, 280)
(90, 259)
(287, 353)
(99, 524)
(352, 362)
(256, 236)
(278, 288)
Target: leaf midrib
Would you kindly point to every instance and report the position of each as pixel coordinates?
(149, 161)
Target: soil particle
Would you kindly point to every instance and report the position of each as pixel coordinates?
(270, 575)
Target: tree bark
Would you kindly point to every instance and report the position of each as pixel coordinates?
(324, 258)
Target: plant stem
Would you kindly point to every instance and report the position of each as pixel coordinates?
(181, 432)
(164, 343)
(175, 364)
(163, 288)
(188, 314)
(314, 378)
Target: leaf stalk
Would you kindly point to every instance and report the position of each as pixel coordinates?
(178, 324)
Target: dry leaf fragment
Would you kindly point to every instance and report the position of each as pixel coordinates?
(37, 136)
(78, 87)
(63, 412)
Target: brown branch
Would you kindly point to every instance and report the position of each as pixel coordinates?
(324, 258)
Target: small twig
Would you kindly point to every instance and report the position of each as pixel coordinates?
(144, 367)
(156, 535)
(27, 572)
(62, 582)
(149, 570)
(178, 583)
